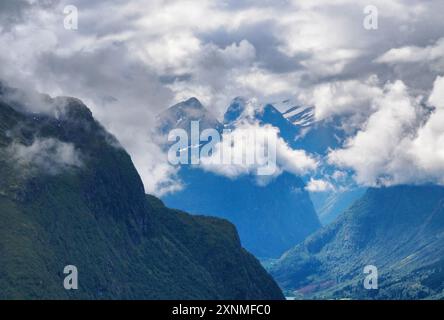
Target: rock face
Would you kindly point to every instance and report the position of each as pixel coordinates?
(270, 218)
(319, 137)
(400, 230)
(69, 195)
(182, 114)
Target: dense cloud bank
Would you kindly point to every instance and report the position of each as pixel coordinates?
(129, 60)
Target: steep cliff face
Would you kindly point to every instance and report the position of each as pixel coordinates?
(271, 219)
(400, 230)
(70, 195)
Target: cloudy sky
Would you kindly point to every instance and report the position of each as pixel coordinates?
(129, 60)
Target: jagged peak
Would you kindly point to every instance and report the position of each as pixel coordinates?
(300, 115)
(180, 115)
(237, 108)
(270, 108)
(192, 102)
(73, 108)
(239, 99)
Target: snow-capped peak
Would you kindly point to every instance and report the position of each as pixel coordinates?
(302, 116)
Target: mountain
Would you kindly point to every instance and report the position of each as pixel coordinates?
(319, 137)
(270, 218)
(313, 135)
(301, 116)
(400, 230)
(70, 195)
(235, 110)
(182, 114)
(331, 203)
(241, 109)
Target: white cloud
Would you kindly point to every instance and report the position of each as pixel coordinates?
(50, 155)
(257, 80)
(342, 97)
(427, 148)
(399, 144)
(318, 185)
(128, 64)
(253, 147)
(158, 176)
(436, 98)
(413, 54)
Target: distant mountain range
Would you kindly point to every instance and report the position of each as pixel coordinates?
(400, 230)
(318, 137)
(271, 218)
(70, 195)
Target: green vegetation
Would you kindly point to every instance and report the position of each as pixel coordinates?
(126, 245)
(400, 230)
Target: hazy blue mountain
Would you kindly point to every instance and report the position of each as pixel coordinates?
(400, 230)
(239, 110)
(235, 110)
(318, 137)
(69, 195)
(270, 219)
(182, 114)
(329, 205)
(301, 116)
